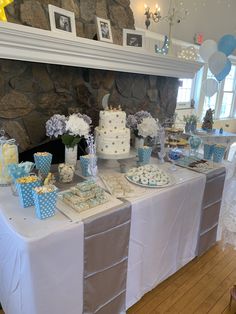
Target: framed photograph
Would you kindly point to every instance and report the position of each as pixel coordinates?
(61, 20)
(133, 38)
(104, 30)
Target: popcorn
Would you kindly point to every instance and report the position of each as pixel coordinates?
(42, 154)
(28, 179)
(45, 189)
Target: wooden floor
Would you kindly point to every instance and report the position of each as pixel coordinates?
(200, 287)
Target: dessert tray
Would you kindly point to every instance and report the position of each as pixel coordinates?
(84, 200)
(150, 176)
(195, 163)
(117, 185)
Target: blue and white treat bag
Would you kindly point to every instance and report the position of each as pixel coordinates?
(25, 186)
(45, 198)
(43, 161)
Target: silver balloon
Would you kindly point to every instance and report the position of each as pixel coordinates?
(210, 87)
(217, 62)
(207, 49)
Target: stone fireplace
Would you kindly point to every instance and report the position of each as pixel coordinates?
(31, 92)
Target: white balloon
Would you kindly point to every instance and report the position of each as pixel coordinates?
(207, 49)
(217, 62)
(210, 87)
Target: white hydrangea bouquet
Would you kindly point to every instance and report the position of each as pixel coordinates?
(71, 129)
(143, 124)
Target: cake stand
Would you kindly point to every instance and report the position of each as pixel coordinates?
(122, 159)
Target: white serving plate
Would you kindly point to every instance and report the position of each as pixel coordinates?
(171, 182)
(154, 169)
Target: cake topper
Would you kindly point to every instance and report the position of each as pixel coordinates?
(111, 108)
(105, 102)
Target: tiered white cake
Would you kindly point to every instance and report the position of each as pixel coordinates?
(112, 136)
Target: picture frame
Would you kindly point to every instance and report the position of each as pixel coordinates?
(61, 20)
(133, 38)
(104, 32)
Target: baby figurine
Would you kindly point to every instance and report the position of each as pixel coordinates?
(50, 179)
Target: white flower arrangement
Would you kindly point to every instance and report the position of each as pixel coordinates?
(148, 127)
(77, 126)
(142, 124)
(71, 129)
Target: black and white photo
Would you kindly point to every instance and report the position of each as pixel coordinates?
(61, 20)
(104, 30)
(133, 38)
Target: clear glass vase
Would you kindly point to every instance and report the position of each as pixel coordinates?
(139, 142)
(71, 155)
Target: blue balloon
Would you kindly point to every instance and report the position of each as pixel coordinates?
(227, 44)
(222, 75)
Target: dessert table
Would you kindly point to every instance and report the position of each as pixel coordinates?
(42, 262)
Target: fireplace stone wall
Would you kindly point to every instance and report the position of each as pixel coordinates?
(31, 92)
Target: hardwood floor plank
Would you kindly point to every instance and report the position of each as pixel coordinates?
(205, 287)
(221, 305)
(184, 284)
(216, 294)
(206, 280)
(200, 287)
(169, 286)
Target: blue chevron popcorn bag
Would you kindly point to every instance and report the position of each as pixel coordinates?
(25, 186)
(43, 161)
(45, 198)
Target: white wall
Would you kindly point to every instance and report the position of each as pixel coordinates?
(214, 19)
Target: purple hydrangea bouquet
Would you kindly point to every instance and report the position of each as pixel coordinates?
(71, 129)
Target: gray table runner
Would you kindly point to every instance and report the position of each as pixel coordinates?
(211, 204)
(106, 241)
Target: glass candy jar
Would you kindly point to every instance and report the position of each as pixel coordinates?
(8, 155)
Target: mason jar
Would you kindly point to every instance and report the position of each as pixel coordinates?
(8, 155)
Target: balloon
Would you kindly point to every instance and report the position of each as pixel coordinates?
(227, 44)
(207, 49)
(217, 62)
(210, 87)
(222, 75)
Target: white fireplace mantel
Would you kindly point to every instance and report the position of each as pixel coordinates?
(18, 42)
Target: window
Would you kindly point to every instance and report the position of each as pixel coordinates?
(224, 101)
(185, 92)
(228, 94)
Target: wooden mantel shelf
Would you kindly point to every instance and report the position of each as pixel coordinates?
(18, 42)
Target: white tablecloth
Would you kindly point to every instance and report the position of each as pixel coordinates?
(41, 262)
(164, 233)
